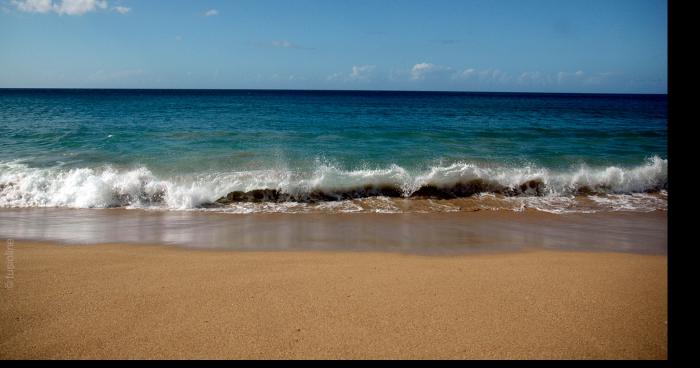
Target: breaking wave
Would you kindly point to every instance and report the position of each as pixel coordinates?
(108, 187)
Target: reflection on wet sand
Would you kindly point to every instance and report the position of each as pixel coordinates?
(405, 232)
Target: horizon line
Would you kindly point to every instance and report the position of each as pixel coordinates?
(325, 90)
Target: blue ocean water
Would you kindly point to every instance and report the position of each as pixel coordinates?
(186, 148)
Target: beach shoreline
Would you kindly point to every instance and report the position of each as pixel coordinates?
(158, 301)
(422, 233)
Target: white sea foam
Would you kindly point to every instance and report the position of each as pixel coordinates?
(619, 188)
(631, 202)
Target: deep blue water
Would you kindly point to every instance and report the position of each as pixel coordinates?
(181, 131)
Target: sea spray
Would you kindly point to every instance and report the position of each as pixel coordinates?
(107, 186)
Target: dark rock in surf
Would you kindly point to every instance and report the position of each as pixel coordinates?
(211, 205)
(264, 195)
(273, 195)
(532, 187)
(584, 190)
(432, 191)
(232, 197)
(157, 197)
(459, 190)
(255, 196)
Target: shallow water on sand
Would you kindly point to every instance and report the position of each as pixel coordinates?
(643, 232)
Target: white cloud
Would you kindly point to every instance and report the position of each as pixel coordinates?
(335, 77)
(284, 44)
(362, 71)
(563, 79)
(67, 7)
(358, 73)
(536, 78)
(484, 75)
(600, 78)
(80, 7)
(466, 74)
(494, 76)
(282, 78)
(34, 6)
(421, 70)
(121, 9)
(211, 13)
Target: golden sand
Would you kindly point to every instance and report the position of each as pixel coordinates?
(129, 301)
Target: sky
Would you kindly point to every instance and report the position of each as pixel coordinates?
(584, 46)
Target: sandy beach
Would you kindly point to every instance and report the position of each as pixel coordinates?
(142, 301)
(230, 180)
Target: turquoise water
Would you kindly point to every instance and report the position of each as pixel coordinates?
(185, 149)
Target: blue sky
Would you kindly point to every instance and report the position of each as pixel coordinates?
(460, 45)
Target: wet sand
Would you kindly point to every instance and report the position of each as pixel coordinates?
(425, 233)
(155, 301)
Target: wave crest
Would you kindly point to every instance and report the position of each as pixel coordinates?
(23, 186)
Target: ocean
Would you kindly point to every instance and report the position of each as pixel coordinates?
(260, 151)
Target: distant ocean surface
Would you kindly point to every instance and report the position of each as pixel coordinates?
(244, 151)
